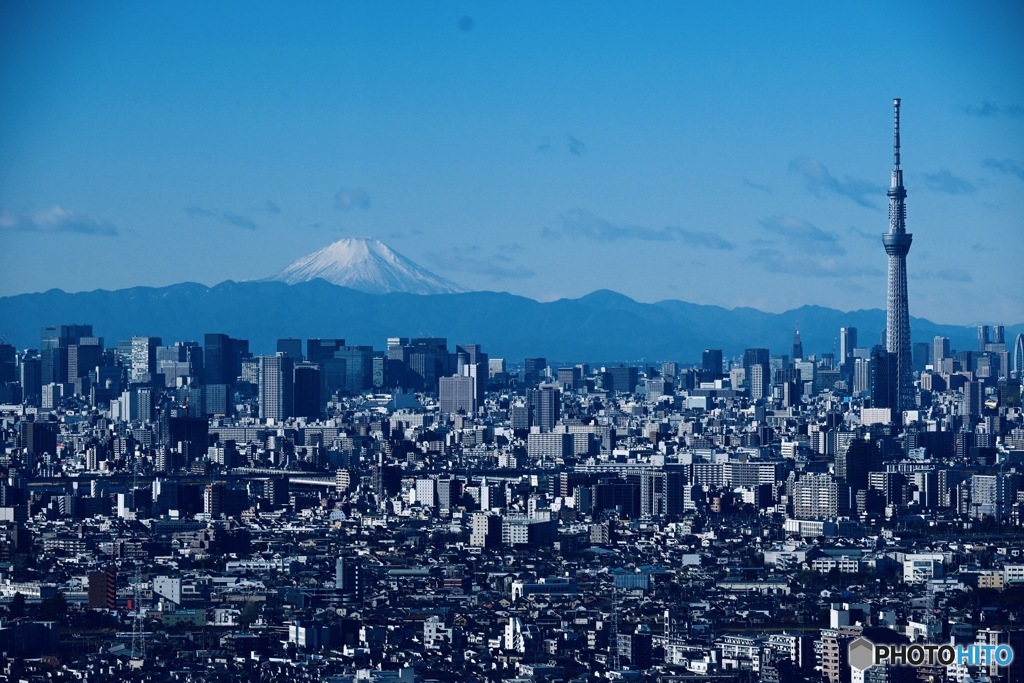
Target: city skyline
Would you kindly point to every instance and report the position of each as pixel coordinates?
(549, 153)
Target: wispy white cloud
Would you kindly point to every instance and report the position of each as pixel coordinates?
(1008, 166)
(989, 109)
(947, 274)
(473, 259)
(702, 238)
(757, 186)
(226, 217)
(573, 145)
(55, 219)
(865, 235)
(347, 199)
(819, 182)
(803, 236)
(945, 182)
(809, 265)
(581, 224)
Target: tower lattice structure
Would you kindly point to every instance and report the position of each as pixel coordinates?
(897, 313)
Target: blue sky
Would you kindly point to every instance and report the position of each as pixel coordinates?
(722, 153)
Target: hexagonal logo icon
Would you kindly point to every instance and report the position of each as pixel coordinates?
(861, 653)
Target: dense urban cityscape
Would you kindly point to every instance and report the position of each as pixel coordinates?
(360, 471)
(174, 511)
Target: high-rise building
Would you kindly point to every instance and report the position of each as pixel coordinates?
(762, 358)
(426, 492)
(379, 380)
(213, 499)
(940, 351)
(179, 360)
(519, 417)
(332, 369)
(449, 491)
(222, 358)
(897, 313)
(37, 438)
(53, 355)
(653, 493)
(348, 579)
(549, 446)
(53, 350)
(854, 459)
(291, 348)
(1018, 355)
(319, 349)
(186, 433)
(216, 399)
(847, 343)
(418, 364)
(998, 334)
(569, 379)
(8, 363)
(84, 356)
(984, 337)
(485, 529)
(883, 376)
(103, 588)
(307, 385)
(30, 377)
(215, 359)
(276, 387)
(921, 355)
(711, 361)
(534, 370)
(137, 404)
(974, 395)
(143, 358)
(992, 495)
(358, 367)
(623, 379)
(862, 373)
(472, 362)
(457, 394)
(798, 346)
(759, 382)
(544, 407)
(815, 496)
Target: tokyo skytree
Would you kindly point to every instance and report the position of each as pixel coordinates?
(897, 313)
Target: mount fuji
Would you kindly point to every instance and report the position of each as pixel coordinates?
(367, 265)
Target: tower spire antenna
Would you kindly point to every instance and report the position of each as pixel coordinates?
(897, 193)
(896, 128)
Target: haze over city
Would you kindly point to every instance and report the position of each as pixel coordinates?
(736, 156)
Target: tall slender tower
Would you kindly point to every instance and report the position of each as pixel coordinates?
(897, 313)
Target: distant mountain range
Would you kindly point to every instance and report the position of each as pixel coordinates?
(364, 292)
(601, 327)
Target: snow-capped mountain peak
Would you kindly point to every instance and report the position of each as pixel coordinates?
(368, 265)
